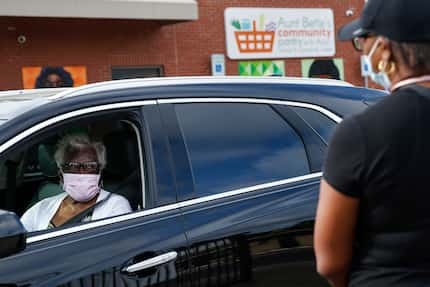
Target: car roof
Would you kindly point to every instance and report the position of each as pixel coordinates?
(337, 96)
(24, 109)
(16, 102)
(27, 107)
(29, 94)
(176, 81)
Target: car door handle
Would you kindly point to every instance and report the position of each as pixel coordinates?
(152, 262)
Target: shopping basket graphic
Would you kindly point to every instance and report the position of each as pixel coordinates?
(255, 41)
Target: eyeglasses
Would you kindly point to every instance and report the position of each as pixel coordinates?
(81, 167)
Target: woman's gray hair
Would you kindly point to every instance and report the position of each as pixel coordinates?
(77, 142)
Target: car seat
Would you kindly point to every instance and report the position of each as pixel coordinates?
(50, 186)
(122, 173)
(12, 175)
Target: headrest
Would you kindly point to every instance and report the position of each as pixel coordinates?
(46, 160)
(122, 152)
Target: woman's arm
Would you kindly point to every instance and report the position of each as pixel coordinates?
(334, 234)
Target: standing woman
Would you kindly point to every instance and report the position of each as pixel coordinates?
(373, 217)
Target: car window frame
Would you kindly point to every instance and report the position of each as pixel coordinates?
(315, 147)
(326, 141)
(142, 160)
(24, 139)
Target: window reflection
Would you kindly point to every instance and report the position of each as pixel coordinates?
(239, 145)
(321, 124)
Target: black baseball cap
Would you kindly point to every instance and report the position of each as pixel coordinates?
(398, 20)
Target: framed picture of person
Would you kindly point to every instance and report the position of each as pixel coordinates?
(53, 76)
(323, 68)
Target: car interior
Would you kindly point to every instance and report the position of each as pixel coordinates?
(30, 174)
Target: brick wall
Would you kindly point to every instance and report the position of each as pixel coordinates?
(183, 48)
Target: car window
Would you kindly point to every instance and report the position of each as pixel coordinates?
(234, 145)
(320, 123)
(30, 181)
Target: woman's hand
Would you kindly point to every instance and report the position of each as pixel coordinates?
(334, 234)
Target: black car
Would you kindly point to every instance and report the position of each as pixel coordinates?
(222, 175)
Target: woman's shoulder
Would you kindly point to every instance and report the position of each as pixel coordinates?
(114, 199)
(393, 110)
(401, 100)
(38, 216)
(115, 204)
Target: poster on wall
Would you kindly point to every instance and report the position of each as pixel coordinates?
(53, 76)
(323, 68)
(262, 68)
(264, 33)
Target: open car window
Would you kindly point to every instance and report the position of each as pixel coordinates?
(30, 178)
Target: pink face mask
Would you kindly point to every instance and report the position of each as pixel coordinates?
(81, 187)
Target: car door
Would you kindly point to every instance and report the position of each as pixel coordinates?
(144, 248)
(253, 176)
(108, 253)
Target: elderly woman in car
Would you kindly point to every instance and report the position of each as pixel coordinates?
(80, 162)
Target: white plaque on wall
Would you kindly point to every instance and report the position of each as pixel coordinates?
(259, 33)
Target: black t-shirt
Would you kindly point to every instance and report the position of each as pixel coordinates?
(382, 157)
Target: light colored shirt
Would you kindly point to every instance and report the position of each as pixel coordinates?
(40, 215)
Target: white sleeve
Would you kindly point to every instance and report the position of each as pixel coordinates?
(29, 218)
(120, 205)
(115, 205)
(40, 214)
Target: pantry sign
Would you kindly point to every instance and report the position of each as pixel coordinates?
(265, 33)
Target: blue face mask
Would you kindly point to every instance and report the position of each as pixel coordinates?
(380, 78)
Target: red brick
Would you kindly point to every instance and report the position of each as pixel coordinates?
(184, 48)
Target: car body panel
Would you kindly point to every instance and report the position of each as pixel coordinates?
(261, 236)
(107, 250)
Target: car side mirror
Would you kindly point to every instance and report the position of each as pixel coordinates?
(13, 235)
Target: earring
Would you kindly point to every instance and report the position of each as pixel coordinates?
(382, 67)
(392, 68)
